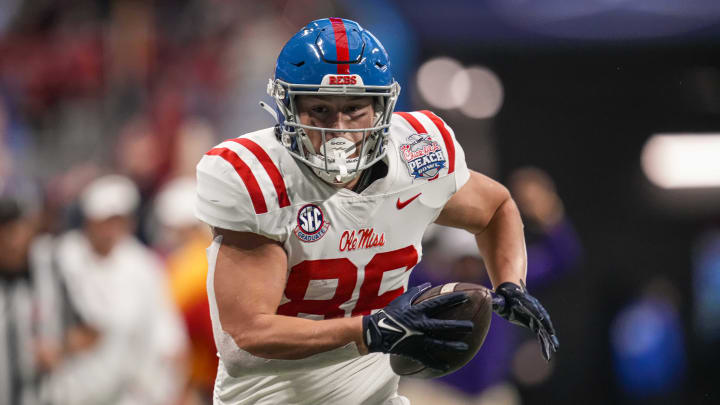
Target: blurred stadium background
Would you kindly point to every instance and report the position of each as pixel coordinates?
(603, 116)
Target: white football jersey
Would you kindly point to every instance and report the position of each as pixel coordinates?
(348, 253)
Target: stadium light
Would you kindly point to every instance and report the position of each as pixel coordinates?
(682, 160)
(486, 93)
(434, 77)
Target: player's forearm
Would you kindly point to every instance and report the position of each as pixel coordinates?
(290, 338)
(502, 245)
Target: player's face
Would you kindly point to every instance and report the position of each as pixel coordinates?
(339, 112)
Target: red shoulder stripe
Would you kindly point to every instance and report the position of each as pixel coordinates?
(417, 126)
(248, 178)
(270, 167)
(449, 144)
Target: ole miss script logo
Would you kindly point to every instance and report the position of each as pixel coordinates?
(364, 238)
(423, 156)
(311, 223)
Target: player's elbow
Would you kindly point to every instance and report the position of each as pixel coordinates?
(503, 211)
(256, 337)
(237, 362)
(246, 336)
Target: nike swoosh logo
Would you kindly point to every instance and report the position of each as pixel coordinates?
(403, 204)
(387, 326)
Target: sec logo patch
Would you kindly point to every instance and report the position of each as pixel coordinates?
(311, 223)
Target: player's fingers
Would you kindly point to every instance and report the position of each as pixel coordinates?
(538, 315)
(545, 318)
(498, 303)
(549, 329)
(444, 301)
(415, 291)
(535, 308)
(526, 316)
(546, 344)
(546, 351)
(445, 345)
(412, 293)
(451, 324)
(424, 286)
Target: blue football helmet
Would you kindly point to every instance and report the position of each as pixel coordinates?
(333, 57)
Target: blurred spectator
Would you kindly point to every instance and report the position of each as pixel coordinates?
(552, 244)
(141, 156)
(195, 137)
(452, 255)
(185, 239)
(38, 323)
(648, 346)
(122, 292)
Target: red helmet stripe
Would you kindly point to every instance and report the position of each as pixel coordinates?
(270, 167)
(248, 178)
(341, 44)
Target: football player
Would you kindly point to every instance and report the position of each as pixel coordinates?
(318, 223)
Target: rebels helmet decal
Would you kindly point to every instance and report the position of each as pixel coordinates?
(311, 223)
(423, 156)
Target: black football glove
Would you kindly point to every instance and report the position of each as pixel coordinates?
(406, 329)
(512, 302)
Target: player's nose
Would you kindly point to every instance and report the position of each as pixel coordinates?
(340, 121)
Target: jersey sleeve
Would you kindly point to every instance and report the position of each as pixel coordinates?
(232, 192)
(455, 152)
(222, 200)
(421, 156)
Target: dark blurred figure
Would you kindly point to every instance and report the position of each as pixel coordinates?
(704, 345)
(39, 325)
(509, 355)
(648, 346)
(552, 244)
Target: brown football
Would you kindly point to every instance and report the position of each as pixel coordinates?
(478, 309)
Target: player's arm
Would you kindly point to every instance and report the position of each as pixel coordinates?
(249, 280)
(485, 208)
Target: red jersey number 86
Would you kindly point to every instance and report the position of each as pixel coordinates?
(346, 274)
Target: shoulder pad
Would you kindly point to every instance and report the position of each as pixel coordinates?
(240, 180)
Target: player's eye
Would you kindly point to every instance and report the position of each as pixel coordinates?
(352, 109)
(318, 109)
